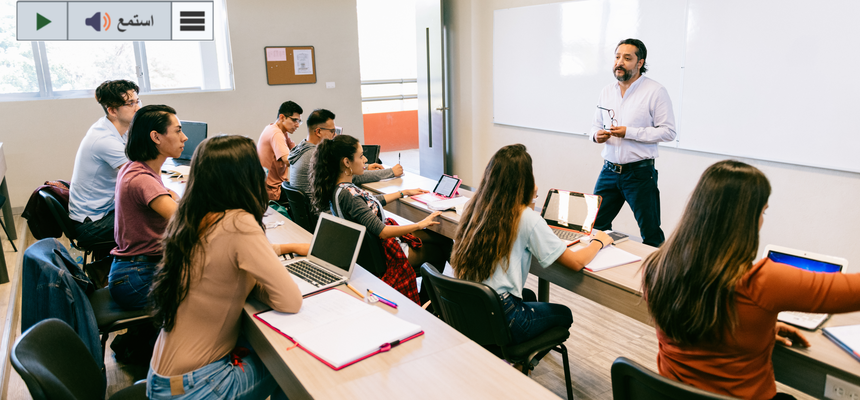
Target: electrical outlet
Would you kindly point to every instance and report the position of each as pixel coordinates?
(329, 85)
(837, 389)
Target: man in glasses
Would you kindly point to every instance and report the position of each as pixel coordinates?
(99, 157)
(274, 146)
(632, 116)
(321, 127)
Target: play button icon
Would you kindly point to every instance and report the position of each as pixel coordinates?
(41, 21)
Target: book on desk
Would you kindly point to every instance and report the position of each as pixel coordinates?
(339, 329)
(847, 337)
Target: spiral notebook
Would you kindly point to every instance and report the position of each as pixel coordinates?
(340, 330)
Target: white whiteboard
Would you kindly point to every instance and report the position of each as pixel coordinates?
(770, 79)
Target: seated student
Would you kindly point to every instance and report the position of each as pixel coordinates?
(274, 146)
(334, 165)
(321, 127)
(499, 234)
(101, 154)
(215, 254)
(143, 204)
(716, 311)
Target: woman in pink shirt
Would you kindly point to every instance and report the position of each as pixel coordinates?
(715, 310)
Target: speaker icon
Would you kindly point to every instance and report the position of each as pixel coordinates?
(97, 21)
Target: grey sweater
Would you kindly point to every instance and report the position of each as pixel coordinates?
(300, 168)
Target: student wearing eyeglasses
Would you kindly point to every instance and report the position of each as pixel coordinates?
(321, 127)
(99, 158)
(274, 146)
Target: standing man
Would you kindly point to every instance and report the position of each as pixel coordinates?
(321, 127)
(274, 146)
(633, 115)
(101, 154)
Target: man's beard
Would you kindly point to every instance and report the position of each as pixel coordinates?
(623, 77)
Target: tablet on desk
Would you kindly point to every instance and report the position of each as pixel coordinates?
(445, 189)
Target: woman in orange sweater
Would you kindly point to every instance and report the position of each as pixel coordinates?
(715, 310)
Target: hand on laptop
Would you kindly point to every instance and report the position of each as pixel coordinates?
(397, 170)
(374, 166)
(429, 221)
(785, 332)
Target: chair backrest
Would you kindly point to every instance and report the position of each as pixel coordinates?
(55, 364)
(61, 214)
(632, 381)
(474, 309)
(300, 207)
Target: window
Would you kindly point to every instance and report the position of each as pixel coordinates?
(69, 69)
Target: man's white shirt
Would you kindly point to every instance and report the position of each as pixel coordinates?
(645, 110)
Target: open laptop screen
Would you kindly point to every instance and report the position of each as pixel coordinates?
(196, 132)
(335, 243)
(803, 262)
(579, 213)
(371, 151)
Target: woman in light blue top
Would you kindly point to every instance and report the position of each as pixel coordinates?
(499, 234)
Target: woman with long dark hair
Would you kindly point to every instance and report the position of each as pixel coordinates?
(143, 204)
(716, 311)
(215, 254)
(499, 234)
(333, 166)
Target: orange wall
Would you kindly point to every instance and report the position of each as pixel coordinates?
(394, 131)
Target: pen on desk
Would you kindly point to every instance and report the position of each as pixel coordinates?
(383, 300)
(355, 290)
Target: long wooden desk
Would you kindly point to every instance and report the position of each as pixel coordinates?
(442, 363)
(619, 289)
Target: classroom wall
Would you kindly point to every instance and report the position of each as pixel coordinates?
(810, 209)
(41, 138)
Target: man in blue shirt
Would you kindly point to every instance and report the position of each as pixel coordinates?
(99, 158)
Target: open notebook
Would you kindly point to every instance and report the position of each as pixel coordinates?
(339, 329)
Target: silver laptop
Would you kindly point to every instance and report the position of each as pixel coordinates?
(570, 215)
(809, 262)
(332, 255)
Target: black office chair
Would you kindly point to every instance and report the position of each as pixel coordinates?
(61, 215)
(631, 381)
(475, 310)
(300, 207)
(110, 317)
(8, 235)
(55, 364)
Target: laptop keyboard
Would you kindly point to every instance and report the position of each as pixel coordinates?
(567, 235)
(313, 274)
(802, 319)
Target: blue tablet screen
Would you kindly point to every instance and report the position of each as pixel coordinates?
(803, 263)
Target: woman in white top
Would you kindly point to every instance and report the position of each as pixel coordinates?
(499, 234)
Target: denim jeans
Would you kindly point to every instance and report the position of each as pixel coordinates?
(90, 233)
(528, 319)
(638, 187)
(129, 283)
(220, 380)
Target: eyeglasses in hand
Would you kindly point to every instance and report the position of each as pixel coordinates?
(613, 121)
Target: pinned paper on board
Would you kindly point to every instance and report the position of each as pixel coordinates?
(303, 62)
(276, 54)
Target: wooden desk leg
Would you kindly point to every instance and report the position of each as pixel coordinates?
(7, 212)
(543, 290)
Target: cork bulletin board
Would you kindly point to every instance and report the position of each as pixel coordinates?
(288, 65)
